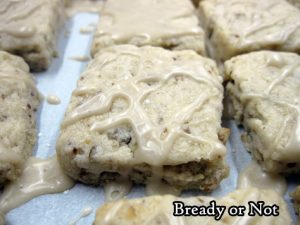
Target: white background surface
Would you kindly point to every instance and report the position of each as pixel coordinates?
(60, 80)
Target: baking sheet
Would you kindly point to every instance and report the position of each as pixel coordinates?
(60, 80)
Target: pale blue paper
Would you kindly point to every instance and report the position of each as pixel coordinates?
(60, 80)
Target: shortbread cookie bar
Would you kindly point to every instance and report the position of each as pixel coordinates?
(296, 198)
(170, 24)
(263, 93)
(240, 26)
(136, 211)
(146, 113)
(29, 28)
(19, 100)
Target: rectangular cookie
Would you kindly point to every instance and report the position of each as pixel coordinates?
(263, 96)
(19, 100)
(143, 114)
(171, 24)
(29, 28)
(136, 211)
(240, 26)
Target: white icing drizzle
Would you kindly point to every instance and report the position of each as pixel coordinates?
(12, 12)
(80, 58)
(153, 149)
(39, 177)
(145, 21)
(53, 99)
(263, 20)
(291, 149)
(162, 210)
(254, 176)
(252, 25)
(116, 190)
(254, 195)
(84, 213)
(281, 35)
(157, 187)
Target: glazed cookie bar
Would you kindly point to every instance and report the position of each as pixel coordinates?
(240, 26)
(19, 100)
(296, 197)
(170, 24)
(136, 211)
(146, 114)
(29, 28)
(263, 95)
